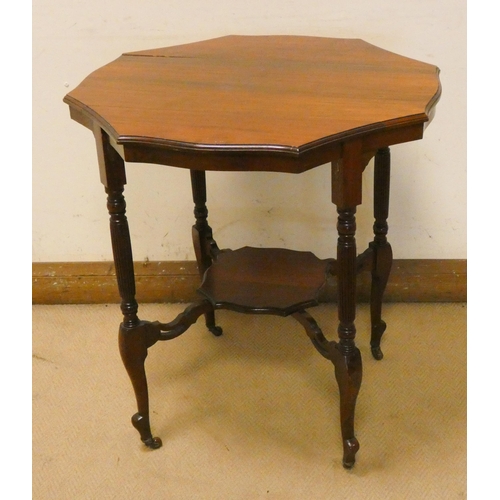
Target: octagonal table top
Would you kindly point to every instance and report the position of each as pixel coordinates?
(248, 94)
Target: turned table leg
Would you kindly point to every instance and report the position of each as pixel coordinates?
(347, 360)
(346, 195)
(382, 252)
(205, 246)
(133, 333)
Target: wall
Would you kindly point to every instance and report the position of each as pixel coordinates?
(70, 222)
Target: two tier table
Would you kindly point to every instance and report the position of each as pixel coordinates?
(268, 104)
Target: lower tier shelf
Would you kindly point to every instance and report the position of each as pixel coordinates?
(265, 280)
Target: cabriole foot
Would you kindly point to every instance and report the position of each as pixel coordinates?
(377, 353)
(154, 443)
(210, 322)
(215, 330)
(141, 423)
(377, 332)
(351, 447)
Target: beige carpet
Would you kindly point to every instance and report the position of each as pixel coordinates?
(249, 415)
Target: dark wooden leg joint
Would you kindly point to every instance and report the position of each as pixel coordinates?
(321, 344)
(134, 342)
(169, 331)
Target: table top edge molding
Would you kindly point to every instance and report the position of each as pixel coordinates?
(287, 158)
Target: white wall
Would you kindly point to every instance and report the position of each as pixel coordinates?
(70, 221)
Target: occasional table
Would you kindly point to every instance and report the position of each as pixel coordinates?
(269, 104)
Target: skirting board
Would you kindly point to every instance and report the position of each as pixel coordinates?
(411, 280)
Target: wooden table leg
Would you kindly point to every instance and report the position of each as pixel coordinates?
(133, 340)
(346, 195)
(382, 251)
(347, 361)
(204, 244)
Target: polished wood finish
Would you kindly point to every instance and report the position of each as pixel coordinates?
(284, 103)
(272, 103)
(347, 363)
(132, 333)
(265, 281)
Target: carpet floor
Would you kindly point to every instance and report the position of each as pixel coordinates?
(253, 414)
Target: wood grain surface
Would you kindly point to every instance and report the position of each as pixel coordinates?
(278, 94)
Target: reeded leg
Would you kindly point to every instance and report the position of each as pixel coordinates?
(382, 251)
(346, 356)
(133, 339)
(205, 246)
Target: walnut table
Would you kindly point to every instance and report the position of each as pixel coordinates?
(265, 103)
